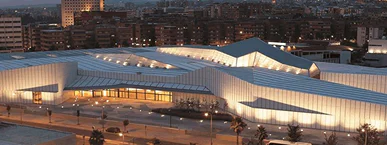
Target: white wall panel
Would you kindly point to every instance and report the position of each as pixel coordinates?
(36, 76)
(341, 114)
(375, 83)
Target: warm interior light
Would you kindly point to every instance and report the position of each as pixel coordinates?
(168, 66)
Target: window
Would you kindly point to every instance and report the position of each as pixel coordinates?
(131, 93)
(37, 97)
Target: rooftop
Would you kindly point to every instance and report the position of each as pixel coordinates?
(352, 69)
(299, 83)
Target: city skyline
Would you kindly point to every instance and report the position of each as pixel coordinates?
(6, 3)
(24, 3)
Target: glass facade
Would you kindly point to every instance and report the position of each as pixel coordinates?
(131, 93)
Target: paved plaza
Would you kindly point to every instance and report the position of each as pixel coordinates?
(139, 115)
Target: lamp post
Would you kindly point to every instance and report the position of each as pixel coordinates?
(20, 103)
(210, 114)
(49, 113)
(366, 135)
(123, 137)
(102, 116)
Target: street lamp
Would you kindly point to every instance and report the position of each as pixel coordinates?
(366, 136)
(102, 115)
(20, 103)
(123, 137)
(210, 114)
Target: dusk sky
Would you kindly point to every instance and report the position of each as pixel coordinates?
(26, 2)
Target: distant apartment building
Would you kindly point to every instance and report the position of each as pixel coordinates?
(105, 35)
(220, 33)
(10, 34)
(249, 29)
(53, 40)
(32, 35)
(321, 29)
(377, 53)
(364, 34)
(76, 37)
(144, 35)
(169, 35)
(196, 34)
(85, 17)
(69, 7)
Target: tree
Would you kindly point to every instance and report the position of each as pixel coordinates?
(9, 110)
(331, 140)
(261, 134)
(78, 114)
(52, 47)
(96, 138)
(96, 45)
(368, 135)
(32, 49)
(125, 123)
(237, 125)
(297, 33)
(125, 43)
(49, 112)
(294, 133)
(155, 141)
(225, 106)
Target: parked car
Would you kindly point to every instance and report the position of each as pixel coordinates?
(154, 141)
(113, 130)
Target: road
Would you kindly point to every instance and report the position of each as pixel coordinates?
(142, 134)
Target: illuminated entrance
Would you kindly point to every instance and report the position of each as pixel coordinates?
(131, 93)
(37, 97)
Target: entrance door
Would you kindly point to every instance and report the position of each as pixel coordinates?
(37, 97)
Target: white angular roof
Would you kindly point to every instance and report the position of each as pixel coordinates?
(299, 83)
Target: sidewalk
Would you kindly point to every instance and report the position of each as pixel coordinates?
(134, 130)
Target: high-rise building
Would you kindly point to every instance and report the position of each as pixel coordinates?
(10, 34)
(364, 34)
(69, 7)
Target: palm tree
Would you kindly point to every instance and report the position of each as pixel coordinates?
(368, 134)
(294, 133)
(49, 112)
(96, 138)
(261, 134)
(331, 140)
(238, 126)
(125, 123)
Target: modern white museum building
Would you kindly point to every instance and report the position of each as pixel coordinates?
(259, 82)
